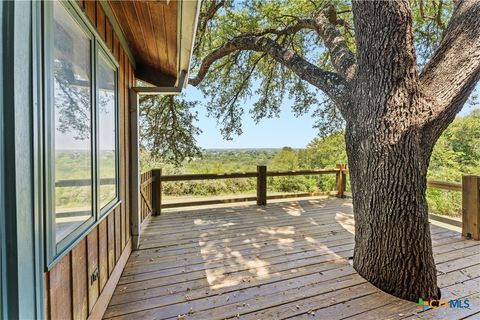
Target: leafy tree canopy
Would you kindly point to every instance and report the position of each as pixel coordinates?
(457, 152)
(228, 81)
(167, 129)
(243, 73)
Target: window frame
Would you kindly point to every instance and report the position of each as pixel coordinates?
(55, 251)
(103, 49)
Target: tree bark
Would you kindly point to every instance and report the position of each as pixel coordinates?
(393, 248)
(387, 156)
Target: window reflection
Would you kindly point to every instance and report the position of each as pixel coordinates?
(106, 131)
(72, 117)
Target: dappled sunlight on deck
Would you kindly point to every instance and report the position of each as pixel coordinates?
(285, 260)
(346, 221)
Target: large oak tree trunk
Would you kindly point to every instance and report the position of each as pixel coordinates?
(388, 155)
(393, 247)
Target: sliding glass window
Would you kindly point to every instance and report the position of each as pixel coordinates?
(72, 100)
(81, 127)
(107, 130)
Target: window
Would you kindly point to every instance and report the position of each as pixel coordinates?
(73, 123)
(107, 131)
(81, 131)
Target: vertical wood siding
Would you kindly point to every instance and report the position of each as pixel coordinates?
(69, 291)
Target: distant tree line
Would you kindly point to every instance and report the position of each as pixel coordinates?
(456, 153)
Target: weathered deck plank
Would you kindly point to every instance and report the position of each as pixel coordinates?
(286, 260)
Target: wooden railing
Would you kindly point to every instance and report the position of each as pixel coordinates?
(146, 194)
(448, 186)
(154, 204)
(470, 188)
(151, 192)
(82, 182)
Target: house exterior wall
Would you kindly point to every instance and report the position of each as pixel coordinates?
(69, 291)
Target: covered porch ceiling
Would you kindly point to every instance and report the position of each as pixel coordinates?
(160, 36)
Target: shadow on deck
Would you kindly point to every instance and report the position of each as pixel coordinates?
(286, 260)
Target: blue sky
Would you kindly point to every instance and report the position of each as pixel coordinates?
(287, 130)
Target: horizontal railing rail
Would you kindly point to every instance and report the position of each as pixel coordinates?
(451, 186)
(445, 185)
(82, 182)
(300, 172)
(236, 175)
(261, 190)
(209, 176)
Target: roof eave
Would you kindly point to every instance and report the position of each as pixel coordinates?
(187, 23)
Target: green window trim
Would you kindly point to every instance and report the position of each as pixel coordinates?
(105, 52)
(55, 251)
(3, 313)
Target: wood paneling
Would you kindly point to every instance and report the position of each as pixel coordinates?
(111, 242)
(79, 280)
(46, 303)
(61, 290)
(157, 19)
(90, 7)
(150, 28)
(100, 21)
(104, 299)
(116, 46)
(102, 254)
(109, 35)
(170, 21)
(118, 234)
(70, 292)
(123, 229)
(92, 252)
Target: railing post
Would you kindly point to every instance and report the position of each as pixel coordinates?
(157, 192)
(135, 179)
(341, 180)
(262, 185)
(471, 207)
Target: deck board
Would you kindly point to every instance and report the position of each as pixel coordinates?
(289, 260)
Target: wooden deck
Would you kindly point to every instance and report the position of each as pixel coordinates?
(286, 260)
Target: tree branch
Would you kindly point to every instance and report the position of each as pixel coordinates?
(342, 58)
(452, 73)
(438, 15)
(329, 82)
(290, 30)
(205, 17)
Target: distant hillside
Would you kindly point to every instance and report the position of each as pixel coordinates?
(241, 149)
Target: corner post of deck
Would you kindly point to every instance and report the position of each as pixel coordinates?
(341, 180)
(135, 179)
(157, 192)
(471, 207)
(262, 185)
